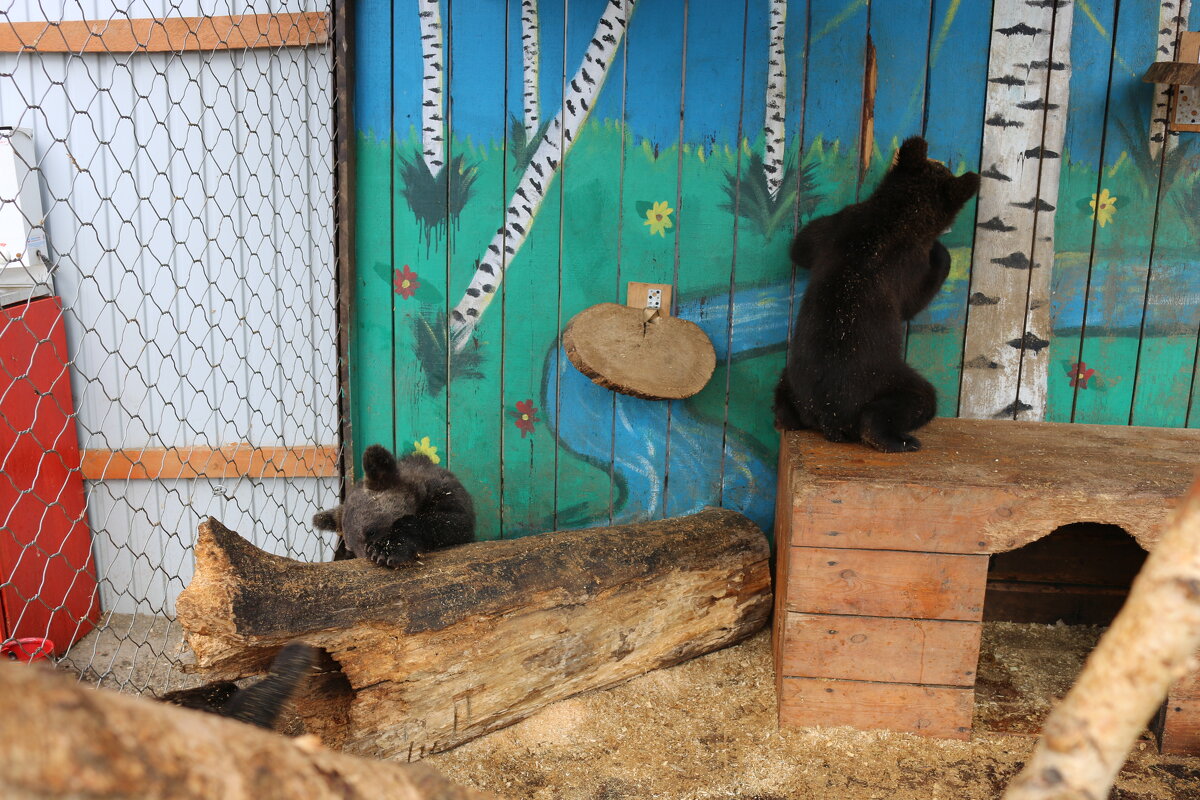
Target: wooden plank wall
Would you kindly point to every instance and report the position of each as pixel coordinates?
(666, 182)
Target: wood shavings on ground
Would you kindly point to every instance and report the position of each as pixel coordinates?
(706, 729)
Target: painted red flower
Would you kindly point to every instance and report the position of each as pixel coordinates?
(1080, 372)
(525, 416)
(406, 282)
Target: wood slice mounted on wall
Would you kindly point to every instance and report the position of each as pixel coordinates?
(637, 352)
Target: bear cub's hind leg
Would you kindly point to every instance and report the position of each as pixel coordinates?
(886, 422)
(786, 417)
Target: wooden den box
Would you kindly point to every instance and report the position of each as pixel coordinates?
(883, 558)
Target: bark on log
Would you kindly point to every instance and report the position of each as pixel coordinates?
(479, 636)
(1148, 647)
(63, 740)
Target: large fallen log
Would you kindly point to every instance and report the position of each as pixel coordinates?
(1149, 646)
(480, 636)
(63, 740)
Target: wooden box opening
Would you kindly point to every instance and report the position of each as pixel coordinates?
(1045, 608)
(1080, 575)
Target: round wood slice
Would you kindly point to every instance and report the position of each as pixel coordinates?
(661, 359)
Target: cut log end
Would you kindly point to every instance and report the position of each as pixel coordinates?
(663, 358)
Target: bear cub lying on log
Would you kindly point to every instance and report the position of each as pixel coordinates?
(400, 510)
(873, 265)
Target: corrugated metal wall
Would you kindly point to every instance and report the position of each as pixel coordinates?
(189, 215)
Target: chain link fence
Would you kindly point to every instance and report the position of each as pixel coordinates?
(168, 331)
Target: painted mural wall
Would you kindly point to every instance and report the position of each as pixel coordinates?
(519, 162)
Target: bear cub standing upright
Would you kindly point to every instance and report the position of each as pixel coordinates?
(402, 508)
(873, 265)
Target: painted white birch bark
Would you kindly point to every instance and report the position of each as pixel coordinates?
(433, 121)
(1172, 19)
(1035, 357)
(530, 50)
(1017, 107)
(776, 98)
(531, 190)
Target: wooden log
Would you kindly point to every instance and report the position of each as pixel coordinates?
(63, 740)
(1149, 646)
(483, 635)
(637, 352)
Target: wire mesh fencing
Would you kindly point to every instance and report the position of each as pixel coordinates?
(168, 324)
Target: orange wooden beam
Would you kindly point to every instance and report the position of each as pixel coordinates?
(120, 35)
(239, 460)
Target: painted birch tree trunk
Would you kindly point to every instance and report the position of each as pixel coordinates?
(433, 120)
(1035, 356)
(530, 50)
(581, 93)
(1025, 124)
(1172, 19)
(776, 98)
(1148, 647)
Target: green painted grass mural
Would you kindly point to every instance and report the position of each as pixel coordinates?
(670, 180)
(741, 415)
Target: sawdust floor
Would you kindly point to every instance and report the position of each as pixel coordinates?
(706, 729)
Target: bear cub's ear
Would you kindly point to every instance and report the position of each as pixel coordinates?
(913, 153)
(965, 186)
(380, 468)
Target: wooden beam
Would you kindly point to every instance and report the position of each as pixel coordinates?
(1176, 73)
(177, 34)
(238, 460)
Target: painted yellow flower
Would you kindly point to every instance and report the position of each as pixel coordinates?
(425, 448)
(658, 218)
(1103, 208)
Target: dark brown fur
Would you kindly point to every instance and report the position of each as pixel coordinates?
(261, 702)
(873, 265)
(401, 509)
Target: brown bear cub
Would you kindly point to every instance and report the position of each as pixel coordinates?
(402, 508)
(873, 265)
(260, 703)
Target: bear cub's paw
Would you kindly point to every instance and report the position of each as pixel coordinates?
(889, 443)
(325, 521)
(393, 552)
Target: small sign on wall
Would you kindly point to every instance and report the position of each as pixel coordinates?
(1186, 116)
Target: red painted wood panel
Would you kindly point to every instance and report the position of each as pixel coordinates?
(48, 586)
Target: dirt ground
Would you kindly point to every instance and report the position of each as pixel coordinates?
(706, 729)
